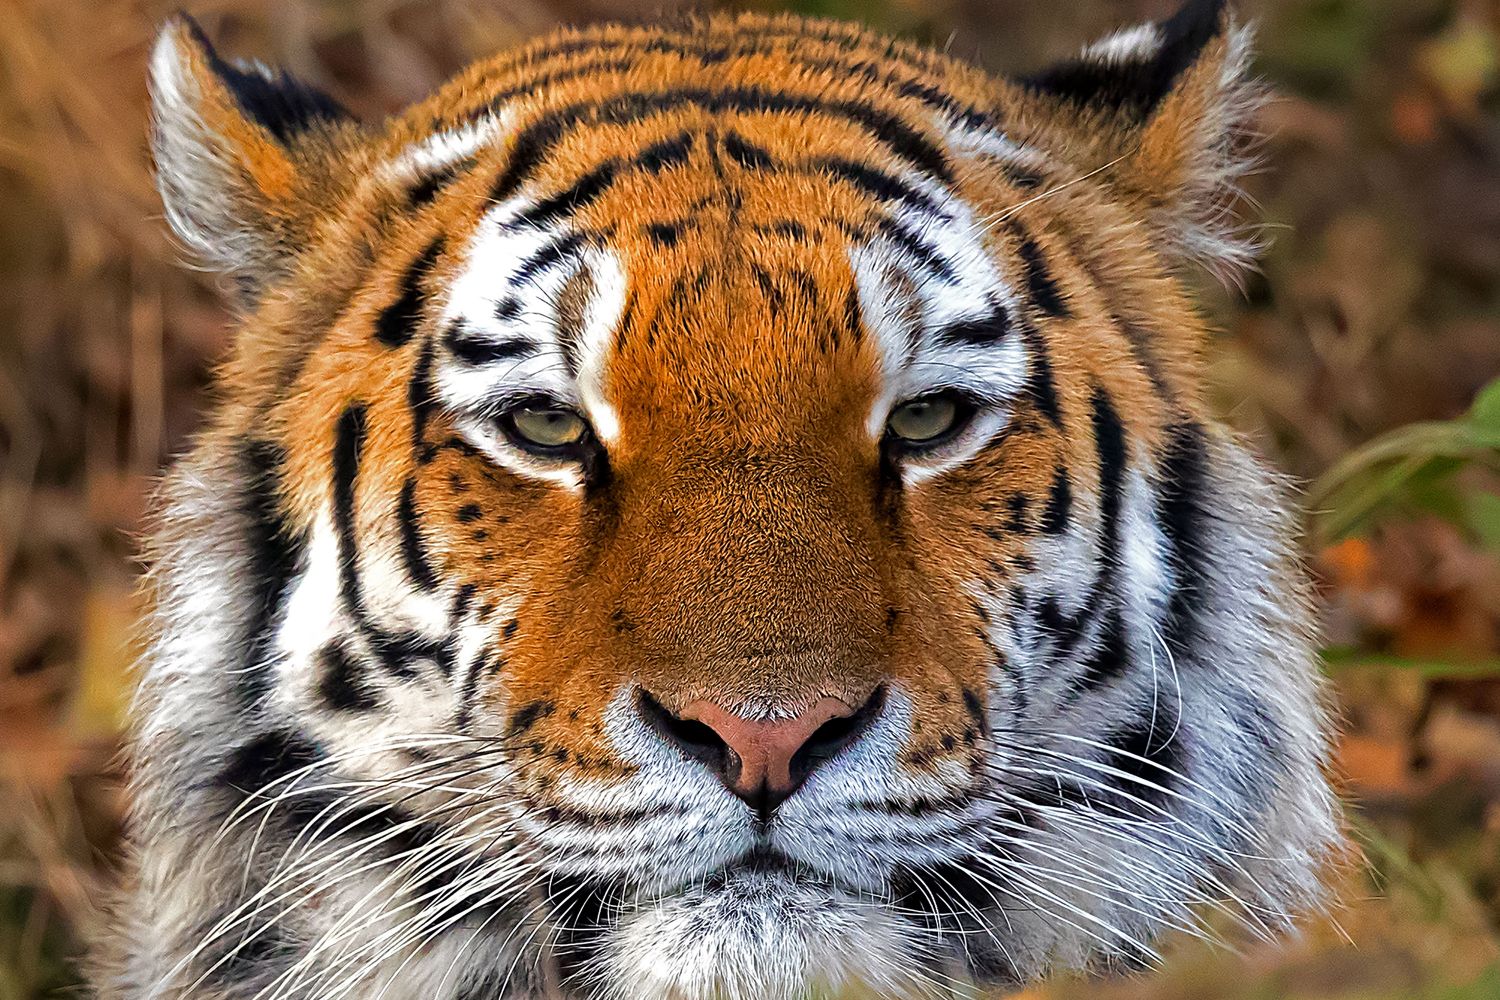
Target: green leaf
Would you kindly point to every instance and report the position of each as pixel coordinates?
(1485, 413)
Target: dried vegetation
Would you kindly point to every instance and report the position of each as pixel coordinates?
(1355, 358)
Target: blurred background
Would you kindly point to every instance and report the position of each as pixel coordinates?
(1362, 359)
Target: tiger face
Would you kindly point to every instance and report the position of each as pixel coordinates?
(715, 511)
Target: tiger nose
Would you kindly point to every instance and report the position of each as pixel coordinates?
(763, 762)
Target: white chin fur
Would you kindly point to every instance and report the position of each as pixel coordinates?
(762, 935)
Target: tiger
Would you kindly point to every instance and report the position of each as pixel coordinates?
(724, 508)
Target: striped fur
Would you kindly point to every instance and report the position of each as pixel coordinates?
(389, 737)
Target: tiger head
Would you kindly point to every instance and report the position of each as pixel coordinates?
(716, 511)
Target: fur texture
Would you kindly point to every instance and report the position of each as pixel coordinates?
(391, 732)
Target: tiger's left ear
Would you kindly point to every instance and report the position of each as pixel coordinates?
(242, 155)
(1162, 108)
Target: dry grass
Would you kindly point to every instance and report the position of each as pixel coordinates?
(1379, 305)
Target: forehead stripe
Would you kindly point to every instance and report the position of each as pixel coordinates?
(918, 248)
(877, 184)
(584, 191)
(536, 140)
(746, 153)
(669, 152)
(856, 58)
(433, 182)
(549, 256)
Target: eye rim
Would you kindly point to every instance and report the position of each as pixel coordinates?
(965, 407)
(575, 450)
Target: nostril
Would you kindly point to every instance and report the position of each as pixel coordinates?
(763, 761)
(829, 739)
(695, 739)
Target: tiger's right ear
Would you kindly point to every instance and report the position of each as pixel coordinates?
(237, 148)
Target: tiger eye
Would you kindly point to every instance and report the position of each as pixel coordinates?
(923, 419)
(548, 427)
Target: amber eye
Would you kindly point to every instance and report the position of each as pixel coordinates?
(925, 420)
(547, 427)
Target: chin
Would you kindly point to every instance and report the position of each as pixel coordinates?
(764, 934)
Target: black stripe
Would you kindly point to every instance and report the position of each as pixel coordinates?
(540, 82)
(1059, 503)
(667, 153)
(395, 651)
(419, 397)
(1065, 630)
(804, 283)
(1040, 286)
(536, 140)
(348, 448)
(398, 321)
(789, 228)
(774, 296)
(853, 319)
(584, 191)
(273, 553)
(981, 332)
(1109, 658)
(907, 56)
(913, 244)
(476, 351)
(1109, 438)
(876, 183)
(1158, 739)
(341, 685)
(462, 599)
(746, 153)
(1181, 494)
(665, 234)
(413, 549)
(431, 185)
(1040, 387)
(273, 758)
(549, 256)
(288, 760)
(527, 716)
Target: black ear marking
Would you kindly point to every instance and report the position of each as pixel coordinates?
(273, 99)
(1136, 81)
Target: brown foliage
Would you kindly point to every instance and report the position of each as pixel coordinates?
(1378, 305)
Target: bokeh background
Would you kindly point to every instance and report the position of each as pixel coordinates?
(1362, 358)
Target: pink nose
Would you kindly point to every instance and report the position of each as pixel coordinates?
(763, 762)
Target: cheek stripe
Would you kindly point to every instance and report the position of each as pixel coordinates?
(348, 448)
(1182, 494)
(1039, 384)
(413, 549)
(274, 554)
(1109, 438)
(1059, 503)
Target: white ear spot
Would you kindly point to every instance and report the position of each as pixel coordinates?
(441, 151)
(1129, 45)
